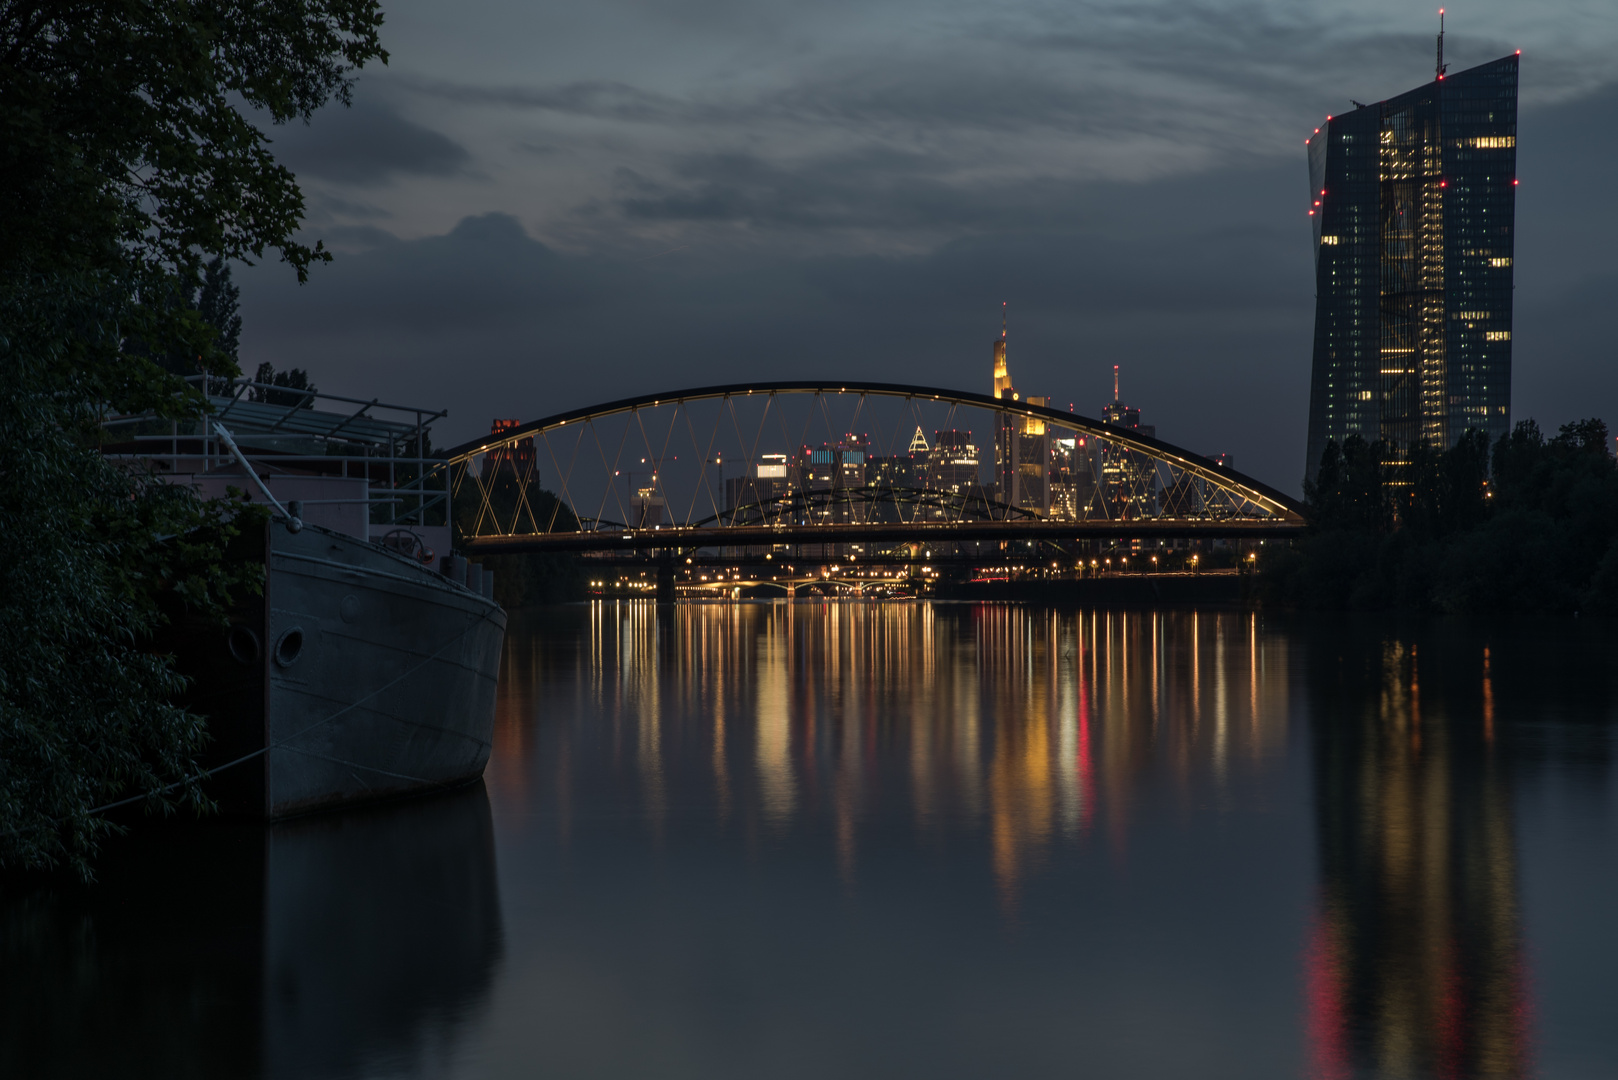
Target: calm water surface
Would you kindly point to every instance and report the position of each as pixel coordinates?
(876, 840)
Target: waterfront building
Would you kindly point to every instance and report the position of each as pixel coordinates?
(1413, 201)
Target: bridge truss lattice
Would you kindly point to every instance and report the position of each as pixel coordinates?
(791, 463)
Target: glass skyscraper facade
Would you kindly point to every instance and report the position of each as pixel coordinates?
(1413, 205)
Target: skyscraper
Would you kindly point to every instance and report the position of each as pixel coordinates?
(952, 463)
(1002, 374)
(1021, 447)
(516, 459)
(1413, 205)
(1128, 477)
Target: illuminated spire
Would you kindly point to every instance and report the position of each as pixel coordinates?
(1115, 395)
(1002, 375)
(918, 443)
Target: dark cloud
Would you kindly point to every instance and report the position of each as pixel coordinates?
(324, 206)
(600, 100)
(1201, 286)
(367, 144)
(1217, 79)
(486, 319)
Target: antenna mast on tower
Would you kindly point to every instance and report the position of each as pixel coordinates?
(1440, 43)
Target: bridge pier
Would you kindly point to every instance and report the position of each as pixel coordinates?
(665, 581)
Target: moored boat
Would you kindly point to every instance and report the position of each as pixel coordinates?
(367, 668)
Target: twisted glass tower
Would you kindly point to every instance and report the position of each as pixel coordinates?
(1413, 205)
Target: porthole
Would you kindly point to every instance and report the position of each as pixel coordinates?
(244, 645)
(289, 646)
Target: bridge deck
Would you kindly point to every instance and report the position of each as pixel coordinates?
(878, 533)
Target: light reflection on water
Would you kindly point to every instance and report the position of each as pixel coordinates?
(903, 839)
(1416, 957)
(1031, 744)
(1014, 722)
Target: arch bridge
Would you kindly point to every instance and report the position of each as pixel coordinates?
(865, 467)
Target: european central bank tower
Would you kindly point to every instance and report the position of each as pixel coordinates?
(1413, 205)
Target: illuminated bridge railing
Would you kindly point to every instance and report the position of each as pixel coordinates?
(863, 464)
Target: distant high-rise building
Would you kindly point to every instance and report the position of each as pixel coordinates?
(952, 463)
(1021, 447)
(834, 479)
(1072, 477)
(763, 493)
(517, 459)
(1002, 374)
(1413, 206)
(1128, 478)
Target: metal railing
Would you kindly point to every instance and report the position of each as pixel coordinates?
(285, 432)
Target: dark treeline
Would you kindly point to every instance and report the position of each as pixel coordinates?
(136, 167)
(1528, 525)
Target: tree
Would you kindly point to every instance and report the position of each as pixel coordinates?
(300, 391)
(126, 152)
(217, 303)
(131, 175)
(1437, 531)
(1347, 492)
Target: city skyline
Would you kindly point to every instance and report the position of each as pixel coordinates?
(580, 219)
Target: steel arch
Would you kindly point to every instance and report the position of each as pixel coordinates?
(1281, 508)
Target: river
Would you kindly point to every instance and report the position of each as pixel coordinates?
(908, 839)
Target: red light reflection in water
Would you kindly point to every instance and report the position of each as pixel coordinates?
(1325, 1022)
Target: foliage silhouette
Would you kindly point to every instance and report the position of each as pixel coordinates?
(132, 174)
(1529, 525)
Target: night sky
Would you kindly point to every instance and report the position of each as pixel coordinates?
(537, 206)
